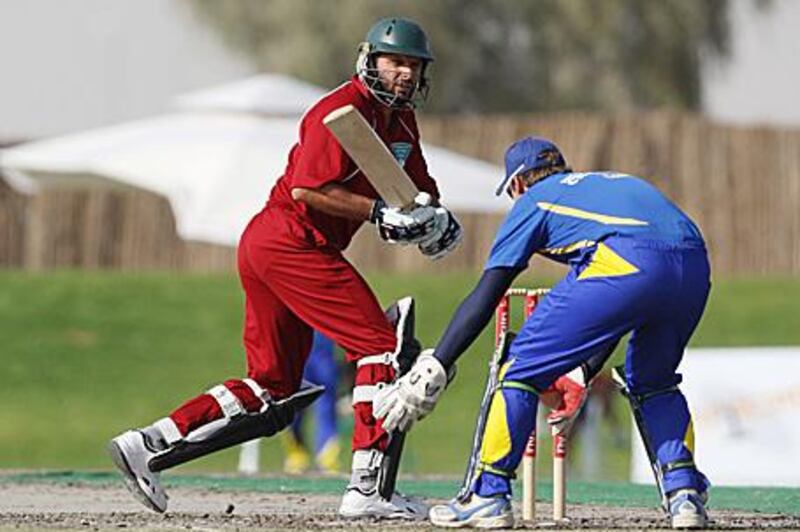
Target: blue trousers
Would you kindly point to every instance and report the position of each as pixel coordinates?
(656, 291)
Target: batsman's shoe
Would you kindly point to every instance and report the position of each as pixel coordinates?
(687, 509)
(477, 512)
(131, 454)
(358, 504)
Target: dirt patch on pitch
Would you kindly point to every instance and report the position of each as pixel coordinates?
(87, 507)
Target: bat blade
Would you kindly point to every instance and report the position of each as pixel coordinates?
(371, 156)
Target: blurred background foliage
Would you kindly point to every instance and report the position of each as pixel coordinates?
(499, 55)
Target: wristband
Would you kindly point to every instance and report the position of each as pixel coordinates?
(377, 207)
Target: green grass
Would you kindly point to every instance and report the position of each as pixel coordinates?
(86, 355)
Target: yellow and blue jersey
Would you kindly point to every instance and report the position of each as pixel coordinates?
(638, 265)
(566, 213)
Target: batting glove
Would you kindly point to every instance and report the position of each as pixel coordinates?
(404, 227)
(446, 239)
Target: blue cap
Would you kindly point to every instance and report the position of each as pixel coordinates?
(527, 154)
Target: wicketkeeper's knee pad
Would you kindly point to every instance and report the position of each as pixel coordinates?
(238, 424)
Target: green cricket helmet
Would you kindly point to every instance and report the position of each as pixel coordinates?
(394, 35)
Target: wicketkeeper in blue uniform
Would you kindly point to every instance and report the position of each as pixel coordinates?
(637, 264)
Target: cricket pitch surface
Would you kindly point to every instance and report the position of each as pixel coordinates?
(27, 504)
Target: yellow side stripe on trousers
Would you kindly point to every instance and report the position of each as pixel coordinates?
(496, 436)
(588, 215)
(688, 438)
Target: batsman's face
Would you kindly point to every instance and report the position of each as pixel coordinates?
(399, 74)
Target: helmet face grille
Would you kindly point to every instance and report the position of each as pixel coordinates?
(371, 78)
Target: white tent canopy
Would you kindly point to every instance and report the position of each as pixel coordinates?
(269, 94)
(217, 160)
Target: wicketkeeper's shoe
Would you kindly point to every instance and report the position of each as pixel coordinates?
(358, 504)
(687, 509)
(130, 454)
(477, 512)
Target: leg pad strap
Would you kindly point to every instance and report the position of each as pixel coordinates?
(230, 431)
(677, 464)
(488, 468)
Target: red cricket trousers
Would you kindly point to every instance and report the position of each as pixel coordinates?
(293, 285)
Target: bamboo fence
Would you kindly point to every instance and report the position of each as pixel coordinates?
(741, 185)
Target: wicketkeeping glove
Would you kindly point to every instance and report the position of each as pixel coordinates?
(412, 396)
(404, 227)
(566, 396)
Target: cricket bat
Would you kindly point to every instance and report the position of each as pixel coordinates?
(371, 156)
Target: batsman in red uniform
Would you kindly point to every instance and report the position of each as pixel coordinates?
(296, 280)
